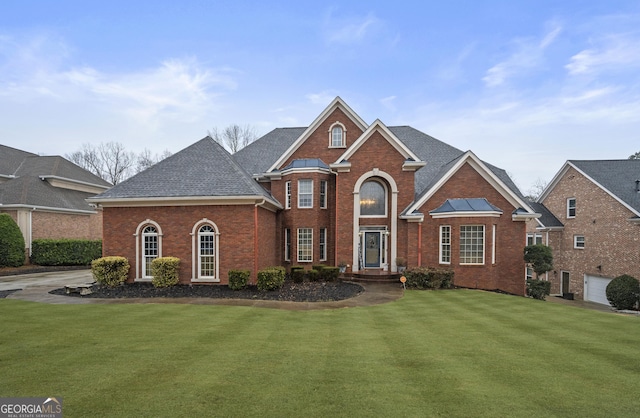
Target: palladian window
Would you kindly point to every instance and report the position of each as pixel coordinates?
(372, 199)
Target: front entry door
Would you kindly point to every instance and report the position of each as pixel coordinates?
(372, 249)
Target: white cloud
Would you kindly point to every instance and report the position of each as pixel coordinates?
(528, 54)
(350, 30)
(615, 53)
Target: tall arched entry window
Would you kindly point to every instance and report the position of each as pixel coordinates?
(205, 250)
(373, 199)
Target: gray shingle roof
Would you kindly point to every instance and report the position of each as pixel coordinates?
(547, 220)
(11, 158)
(204, 169)
(617, 176)
(257, 157)
(57, 166)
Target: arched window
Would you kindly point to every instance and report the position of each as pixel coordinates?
(206, 252)
(150, 249)
(337, 135)
(373, 200)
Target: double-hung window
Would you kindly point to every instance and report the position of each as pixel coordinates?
(287, 200)
(287, 244)
(305, 193)
(534, 239)
(571, 207)
(323, 194)
(445, 244)
(578, 242)
(305, 244)
(323, 244)
(472, 244)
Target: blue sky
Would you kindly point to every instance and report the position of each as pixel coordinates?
(526, 85)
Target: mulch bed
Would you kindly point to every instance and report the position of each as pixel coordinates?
(293, 292)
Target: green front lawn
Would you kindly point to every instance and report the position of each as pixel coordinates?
(438, 353)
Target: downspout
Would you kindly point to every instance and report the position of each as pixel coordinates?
(419, 244)
(335, 235)
(255, 238)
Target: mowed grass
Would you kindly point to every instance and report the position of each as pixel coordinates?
(444, 353)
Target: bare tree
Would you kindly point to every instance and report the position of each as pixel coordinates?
(635, 156)
(146, 159)
(234, 137)
(535, 191)
(110, 160)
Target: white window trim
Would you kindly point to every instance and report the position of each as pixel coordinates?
(575, 242)
(298, 246)
(493, 244)
(287, 244)
(195, 252)
(441, 246)
(575, 205)
(323, 245)
(323, 197)
(140, 253)
(528, 276)
(386, 199)
(344, 135)
(533, 236)
(287, 198)
(299, 194)
(484, 242)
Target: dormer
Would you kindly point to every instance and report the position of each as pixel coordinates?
(337, 135)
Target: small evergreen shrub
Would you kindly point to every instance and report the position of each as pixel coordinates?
(165, 271)
(110, 271)
(238, 279)
(623, 292)
(11, 242)
(428, 278)
(271, 278)
(313, 275)
(538, 289)
(330, 274)
(65, 252)
(297, 274)
(318, 267)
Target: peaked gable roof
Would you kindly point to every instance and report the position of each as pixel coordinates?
(11, 159)
(204, 170)
(257, 157)
(337, 103)
(616, 177)
(547, 219)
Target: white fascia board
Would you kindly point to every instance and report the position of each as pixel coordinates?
(342, 167)
(306, 170)
(549, 228)
(417, 217)
(46, 209)
(337, 103)
(413, 165)
(72, 184)
(386, 134)
(467, 214)
(525, 216)
(183, 201)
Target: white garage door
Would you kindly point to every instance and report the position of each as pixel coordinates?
(595, 289)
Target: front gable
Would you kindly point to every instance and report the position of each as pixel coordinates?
(315, 141)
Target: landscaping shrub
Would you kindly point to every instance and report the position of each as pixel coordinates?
(165, 271)
(538, 289)
(318, 267)
(297, 274)
(429, 278)
(271, 278)
(623, 292)
(11, 242)
(238, 279)
(65, 252)
(110, 271)
(329, 274)
(313, 275)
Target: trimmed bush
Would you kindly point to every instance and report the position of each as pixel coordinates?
(538, 289)
(297, 274)
(313, 275)
(318, 267)
(329, 274)
(110, 271)
(623, 292)
(271, 278)
(165, 271)
(238, 279)
(11, 242)
(65, 252)
(429, 278)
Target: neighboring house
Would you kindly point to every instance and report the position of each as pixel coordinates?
(339, 190)
(593, 226)
(46, 196)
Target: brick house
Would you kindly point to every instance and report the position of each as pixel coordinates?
(592, 224)
(338, 191)
(46, 196)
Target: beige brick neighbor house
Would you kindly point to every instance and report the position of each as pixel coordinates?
(592, 226)
(46, 196)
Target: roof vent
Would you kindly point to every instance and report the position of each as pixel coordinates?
(637, 185)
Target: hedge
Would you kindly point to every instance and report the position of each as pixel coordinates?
(238, 279)
(538, 289)
(165, 271)
(429, 278)
(110, 271)
(11, 242)
(65, 252)
(297, 274)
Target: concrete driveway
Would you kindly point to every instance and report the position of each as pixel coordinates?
(51, 279)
